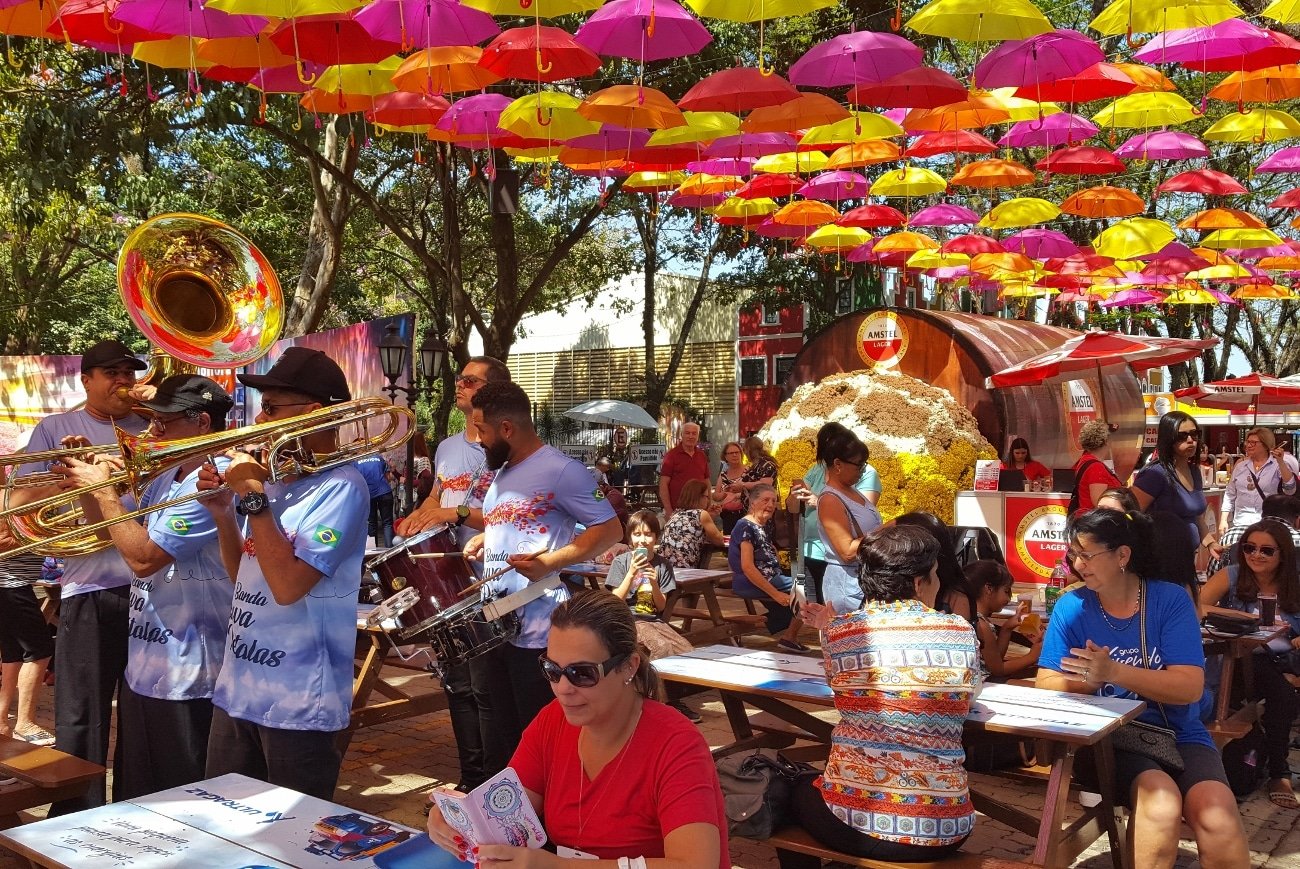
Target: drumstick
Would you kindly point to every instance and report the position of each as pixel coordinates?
(491, 576)
(439, 555)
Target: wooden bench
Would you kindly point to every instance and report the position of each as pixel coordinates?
(44, 775)
(797, 839)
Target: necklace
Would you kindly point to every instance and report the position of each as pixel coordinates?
(1128, 622)
(617, 760)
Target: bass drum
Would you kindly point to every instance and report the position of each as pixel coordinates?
(440, 582)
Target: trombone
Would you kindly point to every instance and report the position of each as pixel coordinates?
(52, 522)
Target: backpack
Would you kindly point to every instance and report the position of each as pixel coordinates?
(1243, 761)
(1074, 494)
(756, 791)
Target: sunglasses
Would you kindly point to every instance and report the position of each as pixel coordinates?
(159, 425)
(583, 674)
(469, 380)
(1188, 435)
(273, 409)
(1263, 551)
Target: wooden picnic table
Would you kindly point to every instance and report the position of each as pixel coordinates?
(45, 775)
(375, 652)
(694, 585)
(1227, 725)
(775, 682)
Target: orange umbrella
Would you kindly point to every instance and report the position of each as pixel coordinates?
(632, 106)
(1271, 85)
(867, 153)
(980, 110)
(244, 52)
(444, 70)
(1263, 291)
(1279, 263)
(1104, 201)
(32, 18)
(704, 184)
(336, 102)
(806, 212)
(809, 110)
(1148, 79)
(1222, 218)
(906, 242)
(992, 174)
(1001, 263)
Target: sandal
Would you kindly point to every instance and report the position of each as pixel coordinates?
(39, 736)
(1284, 798)
(791, 646)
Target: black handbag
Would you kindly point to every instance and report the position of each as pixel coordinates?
(756, 791)
(1149, 740)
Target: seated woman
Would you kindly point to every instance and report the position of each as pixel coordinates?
(755, 571)
(1094, 645)
(990, 586)
(1268, 566)
(612, 772)
(954, 592)
(894, 787)
(690, 526)
(1017, 458)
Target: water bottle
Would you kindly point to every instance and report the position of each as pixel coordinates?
(1056, 585)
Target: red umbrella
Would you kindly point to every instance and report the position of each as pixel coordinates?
(769, 186)
(538, 54)
(89, 22)
(1282, 51)
(971, 245)
(405, 109)
(1081, 160)
(331, 40)
(737, 90)
(873, 216)
(1290, 199)
(1239, 393)
(1103, 81)
(1208, 181)
(920, 88)
(950, 142)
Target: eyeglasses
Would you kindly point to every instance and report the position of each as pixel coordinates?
(1085, 557)
(847, 462)
(1252, 443)
(1263, 551)
(583, 674)
(1188, 435)
(158, 425)
(469, 380)
(273, 409)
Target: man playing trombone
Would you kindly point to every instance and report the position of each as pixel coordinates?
(285, 688)
(95, 586)
(180, 598)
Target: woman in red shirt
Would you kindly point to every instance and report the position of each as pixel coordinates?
(1018, 459)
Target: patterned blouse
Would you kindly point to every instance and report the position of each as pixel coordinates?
(904, 677)
(680, 542)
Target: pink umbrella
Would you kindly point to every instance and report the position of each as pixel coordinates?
(1284, 160)
(186, 18)
(610, 138)
(1133, 299)
(697, 200)
(739, 167)
(643, 30)
(750, 145)
(426, 23)
(944, 214)
(1040, 243)
(1039, 59)
(835, 186)
(1169, 251)
(1231, 39)
(1061, 128)
(474, 116)
(1162, 145)
(851, 58)
(1281, 51)
(287, 79)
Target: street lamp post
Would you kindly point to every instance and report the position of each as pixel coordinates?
(393, 353)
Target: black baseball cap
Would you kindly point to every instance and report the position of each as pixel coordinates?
(301, 369)
(108, 353)
(190, 392)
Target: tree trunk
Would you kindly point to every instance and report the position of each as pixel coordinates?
(657, 390)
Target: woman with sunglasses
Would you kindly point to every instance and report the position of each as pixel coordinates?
(1267, 469)
(1172, 482)
(844, 518)
(612, 773)
(727, 491)
(1268, 566)
(1128, 634)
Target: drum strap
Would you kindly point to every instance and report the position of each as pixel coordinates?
(495, 609)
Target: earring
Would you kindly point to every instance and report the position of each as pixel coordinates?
(628, 680)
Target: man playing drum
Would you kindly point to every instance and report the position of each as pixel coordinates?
(285, 689)
(180, 599)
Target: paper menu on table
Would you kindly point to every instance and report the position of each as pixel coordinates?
(496, 812)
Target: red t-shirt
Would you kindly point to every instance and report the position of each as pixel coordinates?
(1097, 473)
(1033, 470)
(664, 779)
(680, 469)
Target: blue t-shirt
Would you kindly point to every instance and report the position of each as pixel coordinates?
(531, 506)
(180, 614)
(290, 667)
(103, 569)
(372, 468)
(1173, 638)
(460, 469)
(1168, 495)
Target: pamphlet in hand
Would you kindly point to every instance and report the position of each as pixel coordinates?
(496, 812)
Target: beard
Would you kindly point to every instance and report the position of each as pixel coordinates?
(497, 455)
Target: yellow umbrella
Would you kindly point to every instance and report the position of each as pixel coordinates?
(1140, 111)
(807, 110)
(1148, 79)
(806, 212)
(747, 11)
(1260, 125)
(653, 182)
(369, 79)
(836, 238)
(540, 154)
(546, 115)
(1024, 290)
(537, 8)
(284, 8)
(859, 127)
(1222, 239)
(909, 181)
(907, 242)
(1157, 16)
(1133, 238)
(1022, 211)
(1021, 109)
(1283, 11)
(980, 20)
(740, 207)
(1223, 272)
(1190, 296)
(791, 163)
(1005, 263)
(175, 53)
(934, 259)
(699, 127)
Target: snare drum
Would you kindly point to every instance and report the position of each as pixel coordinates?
(463, 632)
(439, 581)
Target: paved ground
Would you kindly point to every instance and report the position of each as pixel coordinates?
(390, 769)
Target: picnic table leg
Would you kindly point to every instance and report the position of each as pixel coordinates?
(736, 716)
(1222, 703)
(1116, 834)
(715, 611)
(1047, 848)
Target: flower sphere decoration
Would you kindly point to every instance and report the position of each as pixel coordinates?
(923, 443)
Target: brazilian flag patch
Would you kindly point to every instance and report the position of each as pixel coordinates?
(178, 525)
(326, 535)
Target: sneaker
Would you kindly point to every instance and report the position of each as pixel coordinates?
(693, 716)
(791, 646)
(39, 736)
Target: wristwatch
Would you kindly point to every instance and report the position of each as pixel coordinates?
(252, 504)
(462, 513)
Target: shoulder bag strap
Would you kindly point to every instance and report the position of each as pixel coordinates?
(857, 529)
(1142, 634)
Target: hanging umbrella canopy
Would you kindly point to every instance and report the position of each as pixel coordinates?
(1157, 16)
(1264, 291)
(1133, 238)
(919, 88)
(1230, 40)
(1081, 160)
(949, 142)
(612, 412)
(407, 110)
(992, 174)
(177, 52)
(426, 23)
(1259, 125)
(190, 18)
(1281, 50)
(699, 127)
(980, 21)
(944, 214)
(1133, 299)
(629, 105)
(739, 89)
(751, 146)
(971, 245)
(1210, 182)
(90, 23)
(653, 182)
(1086, 354)
(873, 217)
(1283, 160)
(858, 127)
(444, 70)
(705, 185)
(1162, 145)
(243, 52)
(643, 30)
(1040, 243)
(533, 8)
(904, 242)
(1022, 211)
(1148, 79)
(835, 186)
(868, 153)
(1046, 57)
(837, 238)
(792, 162)
(538, 53)
(474, 116)
(1222, 218)
(1061, 128)
(738, 211)
(807, 110)
(1104, 201)
(909, 181)
(331, 39)
(775, 185)
(1224, 239)
(806, 213)
(1001, 264)
(1098, 82)
(546, 115)
(749, 11)
(1198, 296)
(979, 110)
(1140, 111)
(854, 58)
